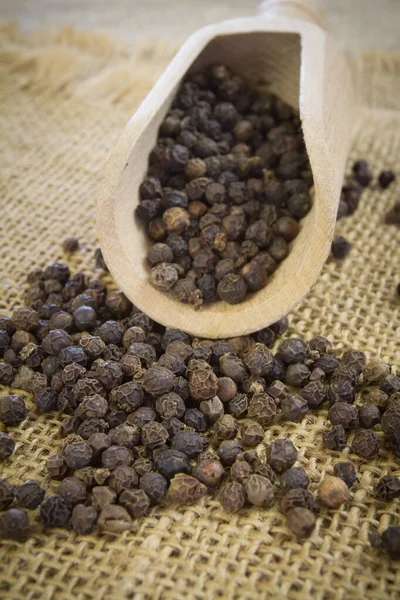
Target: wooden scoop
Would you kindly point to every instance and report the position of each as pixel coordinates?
(286, 47)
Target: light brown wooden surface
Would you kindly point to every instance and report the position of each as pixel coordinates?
(252, 47)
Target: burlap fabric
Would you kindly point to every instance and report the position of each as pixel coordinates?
(64, 98)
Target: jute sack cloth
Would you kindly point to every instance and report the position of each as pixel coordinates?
(64, 98)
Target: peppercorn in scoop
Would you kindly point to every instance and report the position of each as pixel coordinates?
(227, 184)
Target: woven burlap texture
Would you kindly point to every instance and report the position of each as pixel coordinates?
(64, 98)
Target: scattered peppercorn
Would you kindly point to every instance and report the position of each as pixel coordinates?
(300, 521)
(333, 491)
(340, 247)
(296, 477)
(12, 410)
(29, 494)
(345, 471)
(386, 178)
(142, 403)
(281, 455)
(70, 245)
(55, 511)
(366, 443)
(7, 445)
(232, 496)
(14, 524)
(387, 488)
(391, 542)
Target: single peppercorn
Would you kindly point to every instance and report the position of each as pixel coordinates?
(259, 490)
(136, 502)
(185, 489)
(387, 488)
(232, 288)
(114, 519)
(252, 433)
(228, 451)
(386, 178)
(391, 542)
(281, 455)
(362, 173)
(345, 471)
(169, 462)
(293, 350)
(340, 247)
(78, 454)
(7, 494)
(155, 486)
(29, 494)
(344, 414)
(232, 497)
(262, 408)
(12, 410)
(333, 491)
(293, 408)
(73, 490)
(7, 445)
(335, 438)
(366, 444)
(55, 512)
(295, 477)
(300, 521)
(370, 415)
(83, 519)
(14, 524)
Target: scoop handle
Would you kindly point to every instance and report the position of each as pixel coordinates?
(304, 10)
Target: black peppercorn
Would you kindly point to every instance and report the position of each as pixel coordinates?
(14, 524)
(12, 410)
(345, 471)
(7, 445)
(340, 247)
(55, 512)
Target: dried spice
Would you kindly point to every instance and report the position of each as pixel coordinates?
(7, 445)
(185, 489)
(114, 519)
(335, 438)
(259, 490)
(7, 494)
(84, 519)
(136, 502)
(333, 491)
(340, 247)
(296, 477)
(391, 542)
(345, 471)
(232, 496)
(298, 497)
(29, 494)
(205, 185)
(14, 524)
(129, 391)
(55, 512)
(387, 488)
(12, 410)
(300, 521)
(281, 455)
(366, 443)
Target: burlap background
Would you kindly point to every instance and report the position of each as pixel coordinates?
(64, 97)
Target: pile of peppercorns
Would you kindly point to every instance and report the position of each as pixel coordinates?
(154, 415)
(226, 187)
